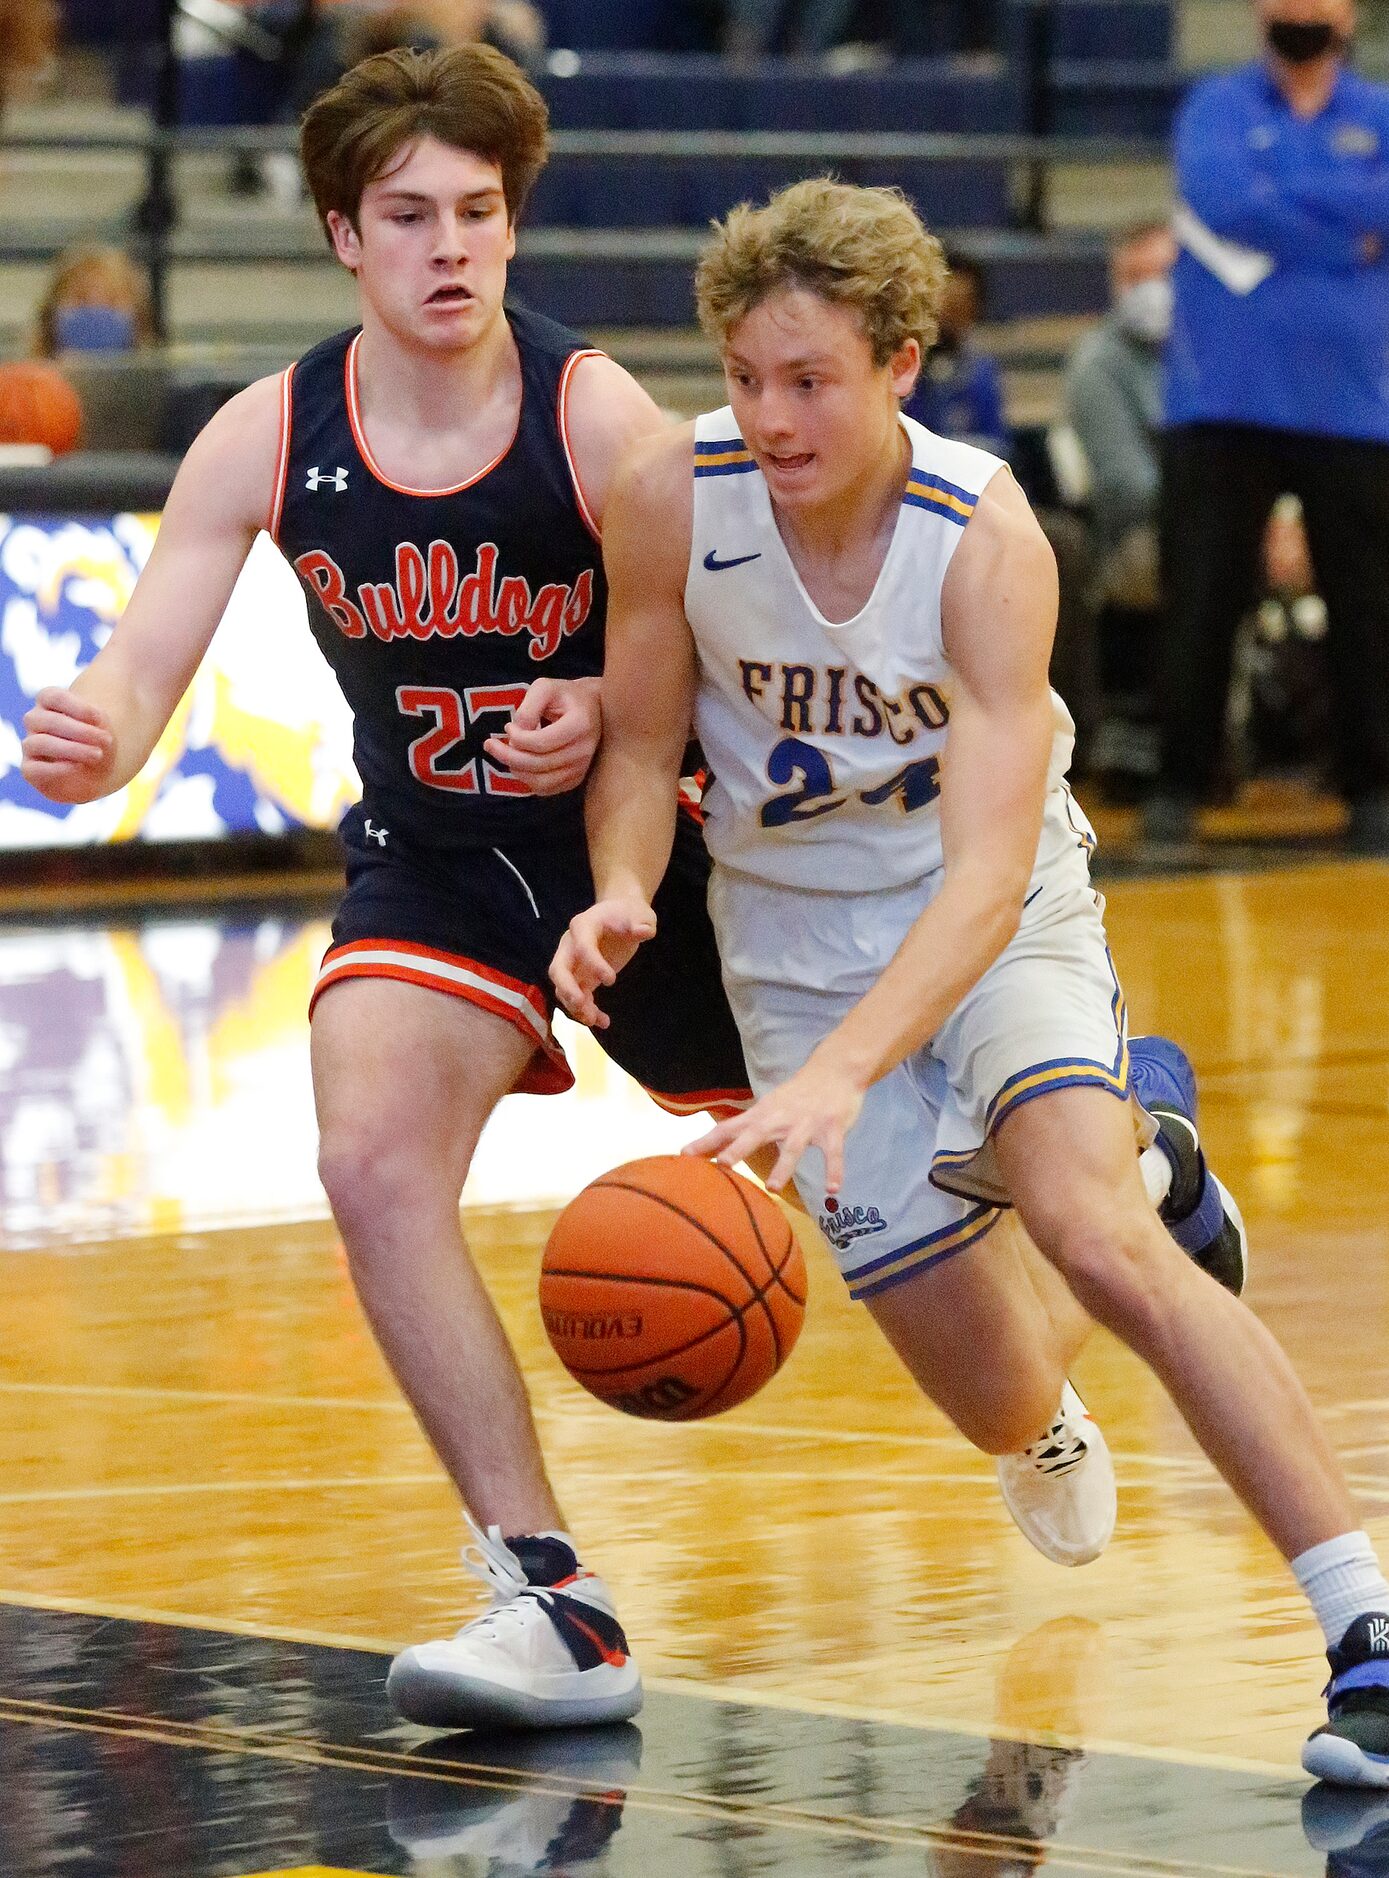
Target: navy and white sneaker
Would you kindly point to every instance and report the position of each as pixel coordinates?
(547, 1653)
(1352, 1748)
(1199, 1211)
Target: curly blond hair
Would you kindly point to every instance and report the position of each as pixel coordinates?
(857, 247)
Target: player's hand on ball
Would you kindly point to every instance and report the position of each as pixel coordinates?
(553, 735)
(594, 950)
(815, 1108)
(69, 751)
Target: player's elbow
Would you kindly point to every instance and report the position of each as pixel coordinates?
(995, 911)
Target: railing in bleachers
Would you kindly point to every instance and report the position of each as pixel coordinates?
(620, 215)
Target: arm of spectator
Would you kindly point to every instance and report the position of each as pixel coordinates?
(1118, 448)
(1352, 195)
(1236, 193)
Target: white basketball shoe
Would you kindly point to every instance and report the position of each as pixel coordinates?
(1060, 1490)
(547, 1653)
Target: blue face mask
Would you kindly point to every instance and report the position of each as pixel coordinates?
(94, 329)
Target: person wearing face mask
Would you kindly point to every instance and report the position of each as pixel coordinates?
(96, 300)
(1277, 382)
(1114, 405)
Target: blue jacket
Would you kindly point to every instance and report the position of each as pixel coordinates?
(1308, 348)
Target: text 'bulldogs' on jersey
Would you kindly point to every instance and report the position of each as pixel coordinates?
(438, 608)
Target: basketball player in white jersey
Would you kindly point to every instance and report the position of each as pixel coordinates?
(857, 616)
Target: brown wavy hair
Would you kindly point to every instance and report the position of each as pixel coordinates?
(857, 247)
(470, 97)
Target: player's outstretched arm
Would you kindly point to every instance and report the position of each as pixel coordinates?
(648, 701)
(92, 738)
(999, 618)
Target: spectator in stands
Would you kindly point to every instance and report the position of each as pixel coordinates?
(1276, 382)
(960, 395)
(1113, 411)
(322, 39)
(96, 300)
(813, 27)
(960, 391)
(28, 35)
(1114, 407)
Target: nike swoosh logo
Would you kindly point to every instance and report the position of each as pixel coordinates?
(615, 1657)
(716, 566)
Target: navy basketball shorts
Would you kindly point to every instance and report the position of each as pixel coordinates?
(483, 924)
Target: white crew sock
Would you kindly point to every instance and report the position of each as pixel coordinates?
(1156, 1170)
(1342, 1580)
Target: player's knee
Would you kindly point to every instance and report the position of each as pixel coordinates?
(354, 1177)
(372, 1177)
(1122, 1268)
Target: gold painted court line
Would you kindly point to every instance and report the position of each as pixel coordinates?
(311, 1871)
(743, 1696)
(211, 1738)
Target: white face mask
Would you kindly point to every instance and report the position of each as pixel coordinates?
(1145, 310)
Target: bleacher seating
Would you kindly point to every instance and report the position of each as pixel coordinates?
(612, 233)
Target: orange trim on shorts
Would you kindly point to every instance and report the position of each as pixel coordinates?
(456, 975)
(722, 1104)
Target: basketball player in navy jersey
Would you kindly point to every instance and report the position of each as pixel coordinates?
(438, 480)
(857, 618)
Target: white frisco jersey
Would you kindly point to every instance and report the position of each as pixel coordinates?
(825, 740)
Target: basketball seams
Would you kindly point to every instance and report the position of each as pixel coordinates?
(769, 1290)
(736, 1315)
(690, 1219)
(738, 1185)
(733, 1320)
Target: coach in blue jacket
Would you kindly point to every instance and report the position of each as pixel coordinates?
(1278, 380)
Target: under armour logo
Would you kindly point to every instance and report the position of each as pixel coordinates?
(378, 835)
(1379, 1635)
(316, 479)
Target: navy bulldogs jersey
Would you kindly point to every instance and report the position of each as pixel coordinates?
(437, 608)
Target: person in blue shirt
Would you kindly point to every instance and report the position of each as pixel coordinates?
(960, 391)
(1278, 381)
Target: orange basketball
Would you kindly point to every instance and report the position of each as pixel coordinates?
(38, 405)
(672, 1288)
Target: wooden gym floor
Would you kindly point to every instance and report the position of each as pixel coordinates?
(216, 1516)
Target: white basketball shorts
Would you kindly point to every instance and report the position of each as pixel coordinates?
(921, 1181)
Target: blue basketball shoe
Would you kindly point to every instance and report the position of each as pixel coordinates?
(1199, 1210)
(1352, 1748)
